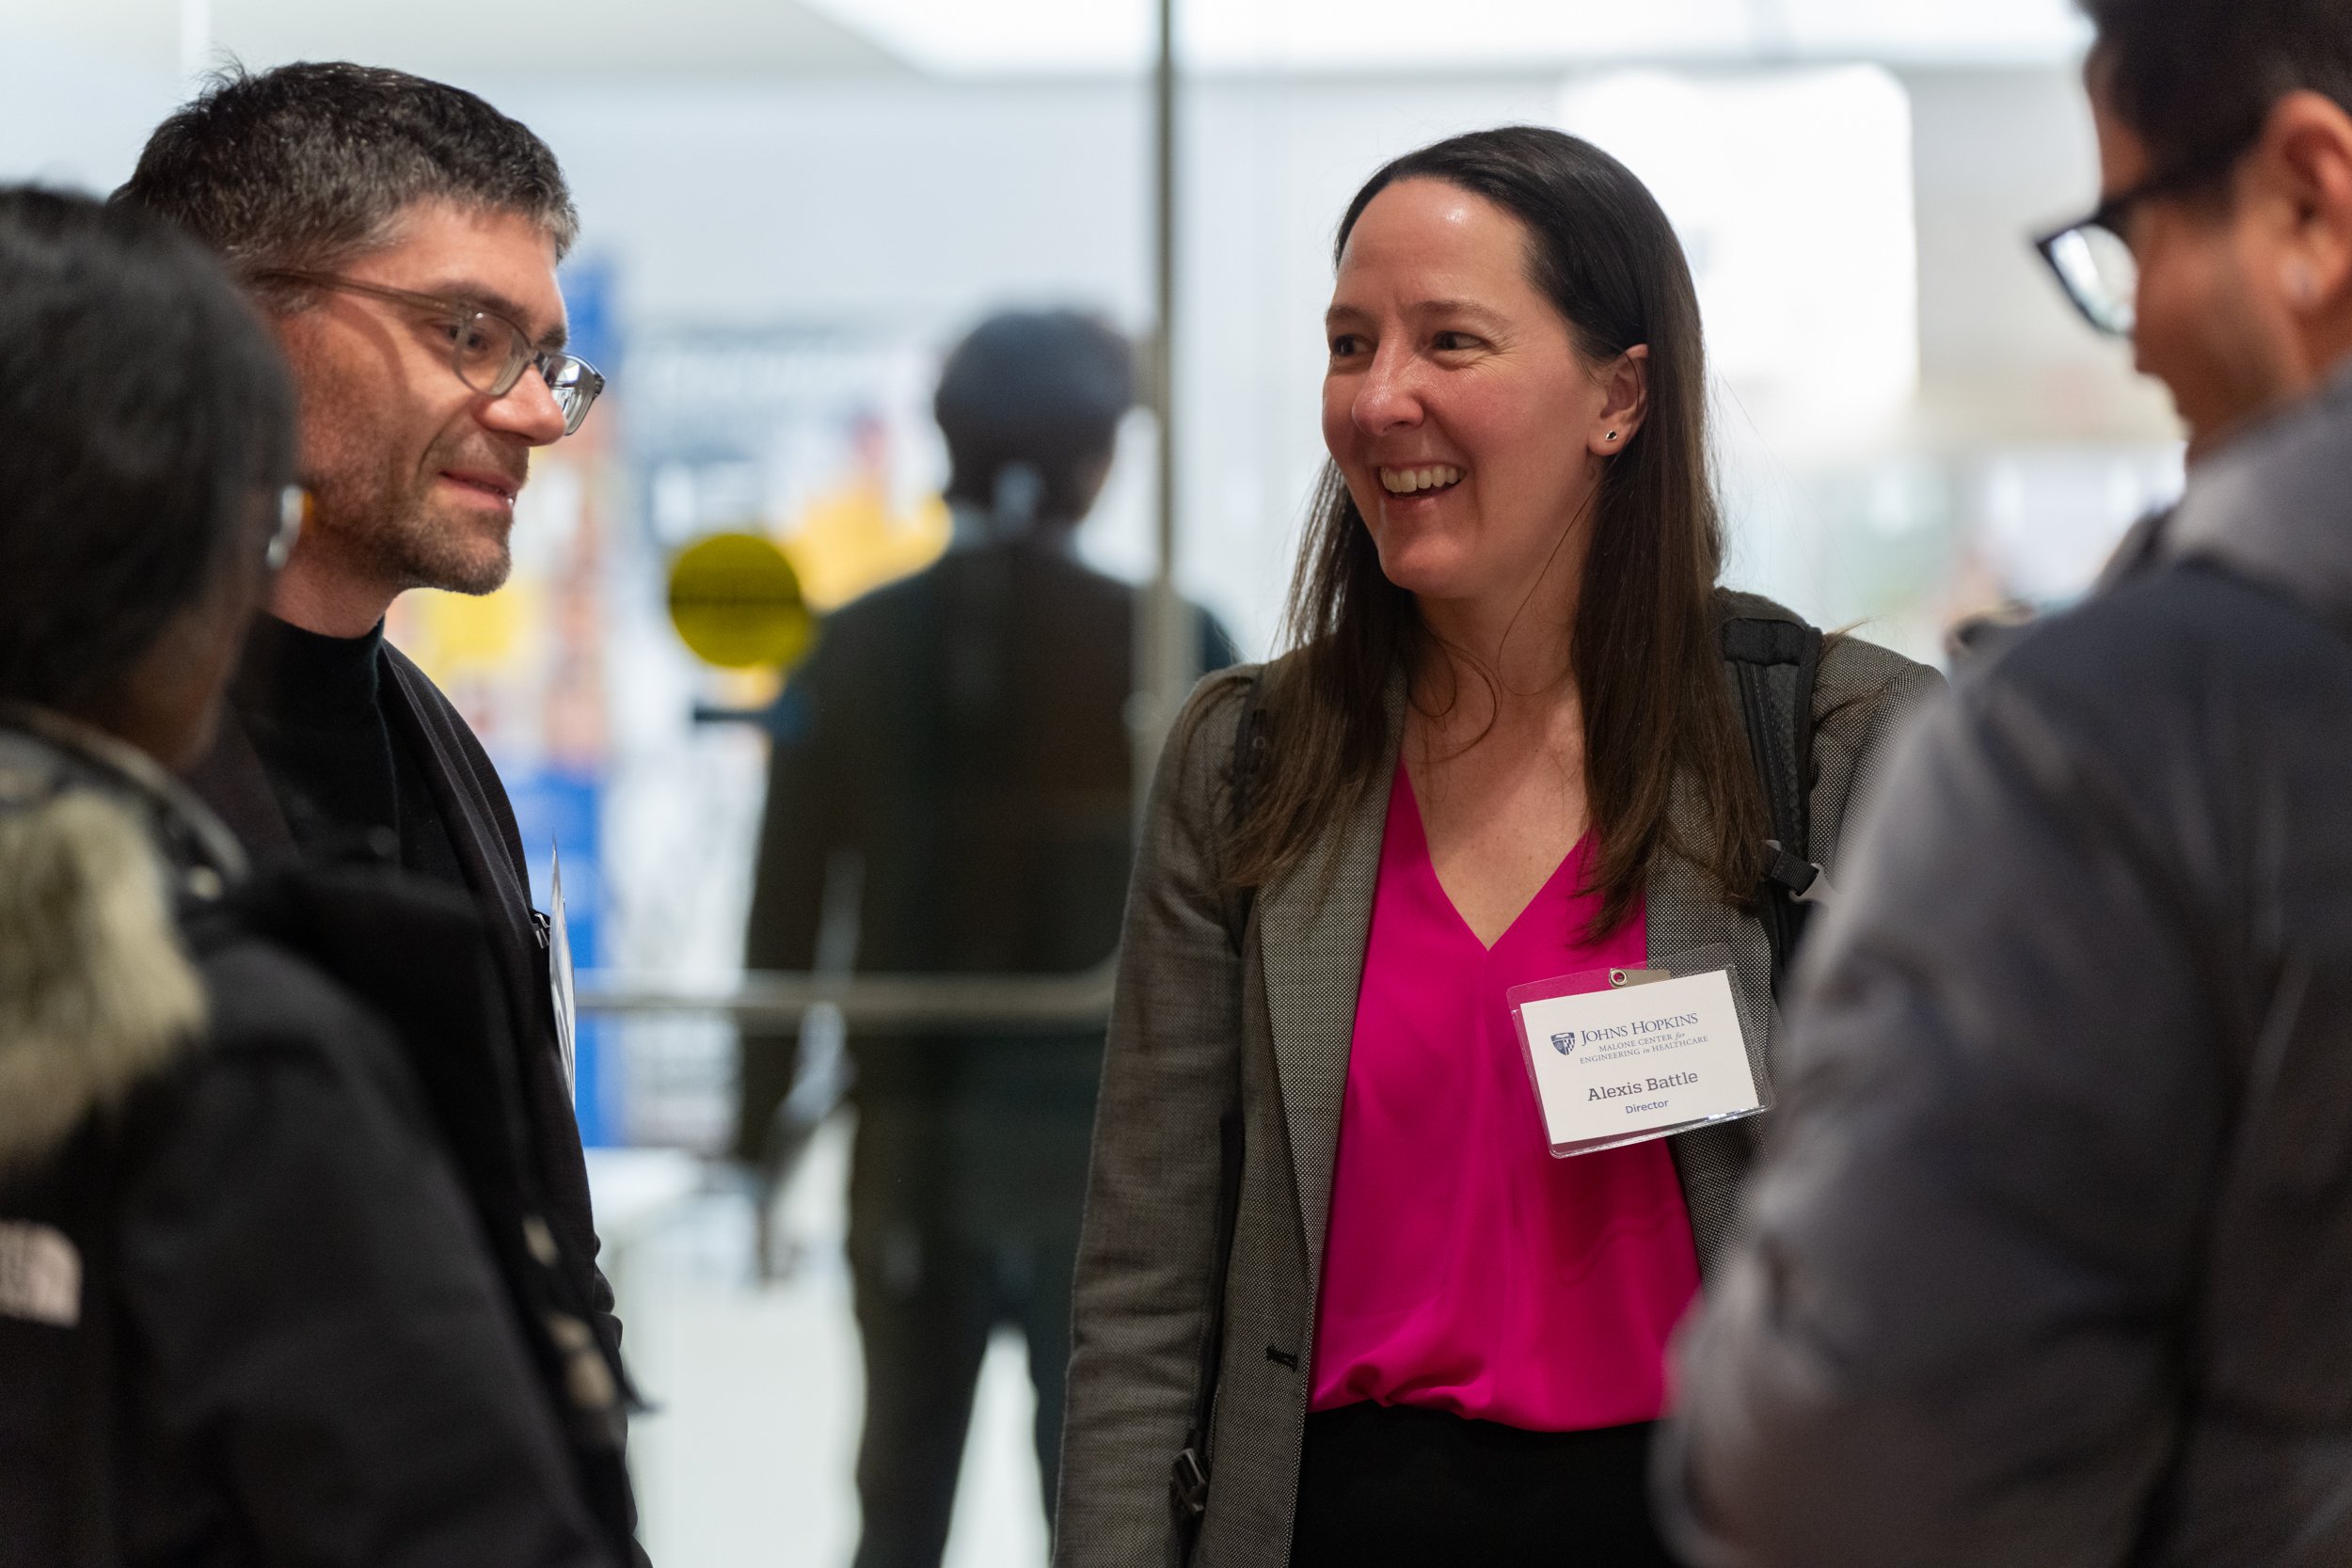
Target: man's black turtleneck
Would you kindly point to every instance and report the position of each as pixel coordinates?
(344, 774)
(332, 742)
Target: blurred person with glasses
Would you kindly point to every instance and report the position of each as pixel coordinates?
(410, 276)
(266, 1289)
(2049, 1261)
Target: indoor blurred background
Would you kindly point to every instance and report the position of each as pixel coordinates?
(792, 208)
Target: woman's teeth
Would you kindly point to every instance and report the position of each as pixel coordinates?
(1404, 481)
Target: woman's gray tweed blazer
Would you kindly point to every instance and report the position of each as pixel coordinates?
(1204, 1030)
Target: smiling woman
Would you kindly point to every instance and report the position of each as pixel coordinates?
(1515, 307)
(1329, 1255)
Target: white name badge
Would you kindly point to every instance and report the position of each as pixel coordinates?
(1619, 1057)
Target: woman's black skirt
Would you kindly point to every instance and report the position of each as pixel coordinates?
(1381, 1484)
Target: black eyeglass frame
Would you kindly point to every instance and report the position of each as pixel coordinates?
(2114, 213)
(573, 382)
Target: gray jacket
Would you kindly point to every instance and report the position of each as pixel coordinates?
(2052, 1250)
(1213, 1041)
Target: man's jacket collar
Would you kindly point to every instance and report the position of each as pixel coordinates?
(2275, 506)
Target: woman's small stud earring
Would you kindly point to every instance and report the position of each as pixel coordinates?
(1613, 435)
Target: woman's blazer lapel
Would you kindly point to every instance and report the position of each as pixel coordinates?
(1313, 924)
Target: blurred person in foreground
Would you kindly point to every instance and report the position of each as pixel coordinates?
(402, 237)
(2051, 1259)
(960, 796)
(247, 1311)
(1338, 1300)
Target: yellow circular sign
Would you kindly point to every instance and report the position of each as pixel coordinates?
(735, 601)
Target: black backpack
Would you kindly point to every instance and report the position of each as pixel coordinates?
(1773, 664)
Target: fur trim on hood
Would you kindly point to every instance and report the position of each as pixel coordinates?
(96, 993)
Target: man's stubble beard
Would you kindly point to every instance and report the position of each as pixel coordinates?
(382, 520)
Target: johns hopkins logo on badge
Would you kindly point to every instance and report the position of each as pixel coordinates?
(1565, 1041)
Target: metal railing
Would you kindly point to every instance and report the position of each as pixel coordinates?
(781, 998)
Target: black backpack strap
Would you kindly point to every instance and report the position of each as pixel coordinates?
(1188, 1478)
(1775, 664)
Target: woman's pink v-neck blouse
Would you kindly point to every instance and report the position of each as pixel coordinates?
(1465, 1268)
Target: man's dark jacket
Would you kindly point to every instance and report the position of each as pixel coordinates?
(480, 820)
(267, 1292)
(2051, 1259)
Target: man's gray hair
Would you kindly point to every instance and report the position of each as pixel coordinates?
(310, 165)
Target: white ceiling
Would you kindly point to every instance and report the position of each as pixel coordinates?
(469, 39)
(983, 37)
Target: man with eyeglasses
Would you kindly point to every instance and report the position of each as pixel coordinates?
(2050, 1254)
(402, 237)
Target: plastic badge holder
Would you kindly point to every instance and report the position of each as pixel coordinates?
(1725, 1101)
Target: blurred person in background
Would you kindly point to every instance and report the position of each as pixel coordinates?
(402, 237)
(248, 1313)
(2050, 1259)
(959, 798)
(1331, 1267)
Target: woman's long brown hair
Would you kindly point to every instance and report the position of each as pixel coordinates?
(1658, 711)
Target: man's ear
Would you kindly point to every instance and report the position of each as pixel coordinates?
(1625, 380)
(2303, 167)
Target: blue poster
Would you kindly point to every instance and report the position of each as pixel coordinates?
(560, 811)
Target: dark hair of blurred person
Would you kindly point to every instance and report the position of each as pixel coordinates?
(2048, 1259)
(1037, 395)
(402, 237)
(2196, 82)
(1334, 1286)
(247, 1312)
(193, 443)
(951, 791)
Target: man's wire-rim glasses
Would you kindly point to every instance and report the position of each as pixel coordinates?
(489, 351)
